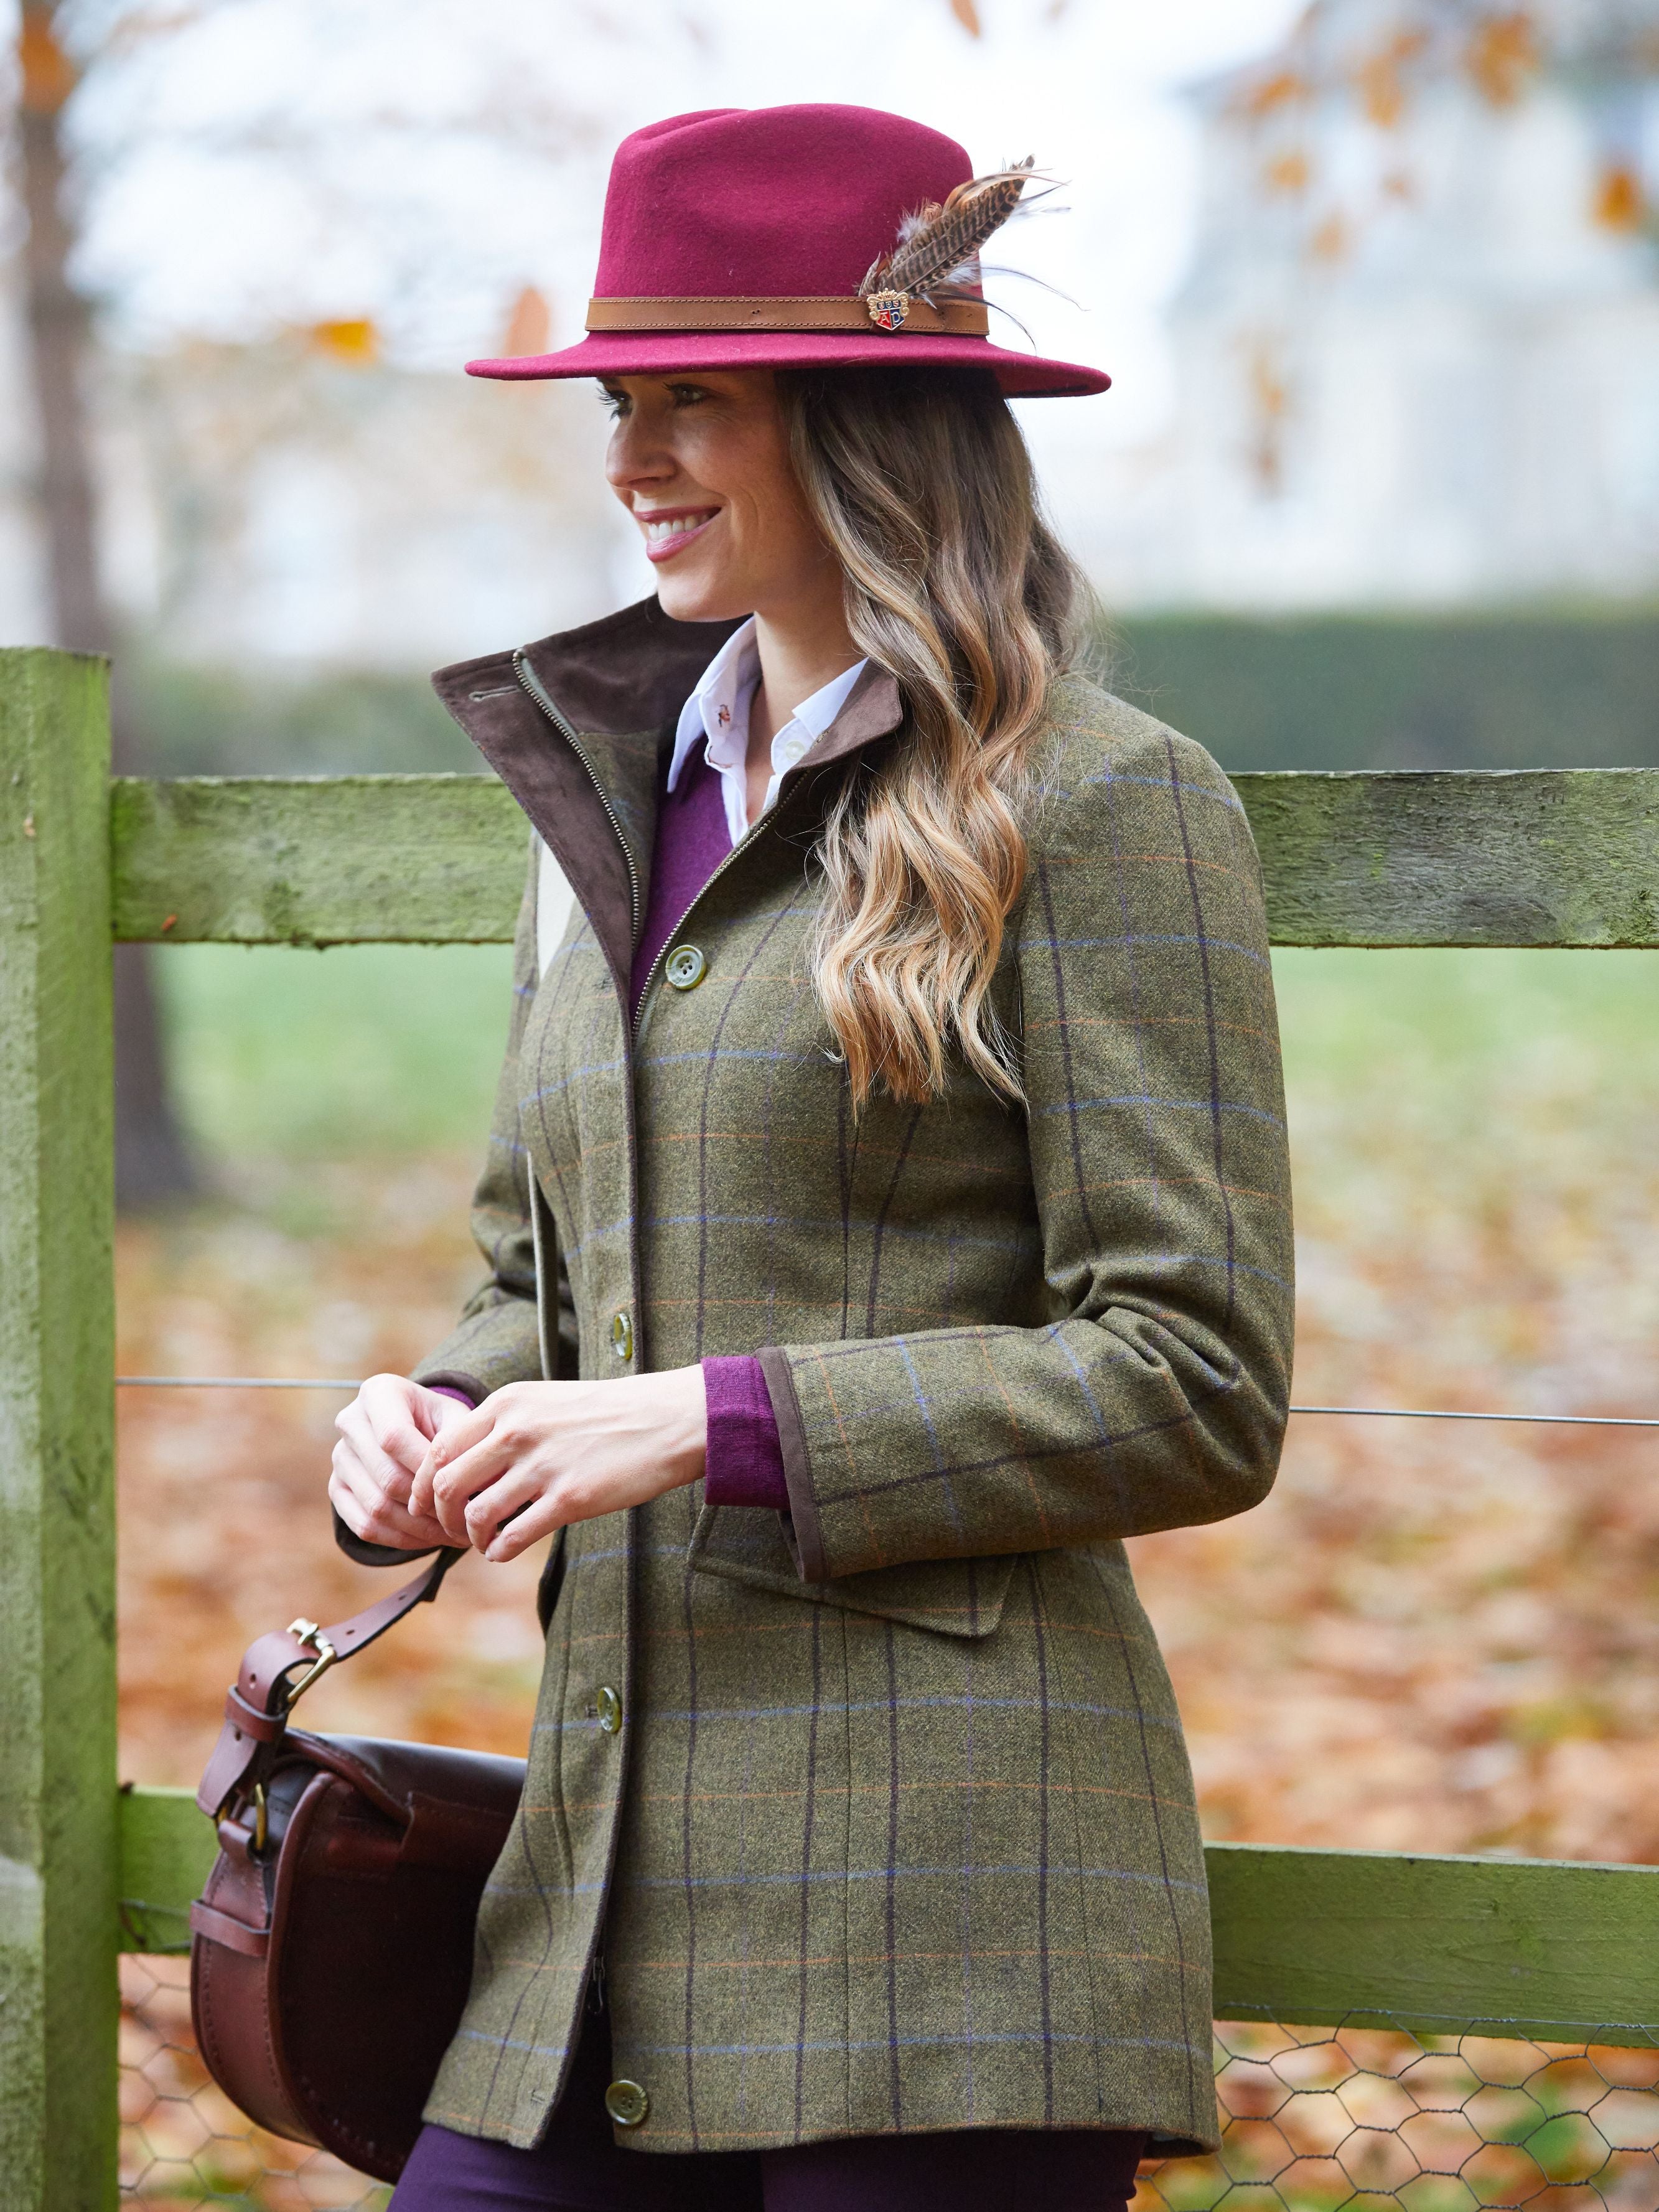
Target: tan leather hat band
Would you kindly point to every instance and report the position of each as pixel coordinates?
(956, 319)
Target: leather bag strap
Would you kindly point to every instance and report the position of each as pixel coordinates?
(235, 1934)
(258, 1702)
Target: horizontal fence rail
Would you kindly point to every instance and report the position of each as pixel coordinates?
(1441, 1946)
(358, 860)
(1539, 858)
(1546, 857)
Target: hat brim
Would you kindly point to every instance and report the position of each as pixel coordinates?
(615, 353)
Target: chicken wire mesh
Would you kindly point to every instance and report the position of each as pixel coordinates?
(184, 2144)
(1366, 2119)
(1350, 2119)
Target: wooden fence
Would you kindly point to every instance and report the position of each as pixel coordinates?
(1439, 1945)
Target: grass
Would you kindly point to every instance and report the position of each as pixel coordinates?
(1468, 1021)
(384, 1049)
(363, 1049)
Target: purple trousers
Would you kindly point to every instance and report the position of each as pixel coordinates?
(577, 2167)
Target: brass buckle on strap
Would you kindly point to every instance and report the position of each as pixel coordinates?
(308, 1632)
(249, 1783)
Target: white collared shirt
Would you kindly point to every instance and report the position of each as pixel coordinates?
(718, 713)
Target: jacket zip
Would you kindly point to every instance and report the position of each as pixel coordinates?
(532, 684)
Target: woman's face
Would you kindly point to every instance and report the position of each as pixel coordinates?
(701, 463)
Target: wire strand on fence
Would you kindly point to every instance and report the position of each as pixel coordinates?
(1362, 1413)
(1440, 1413)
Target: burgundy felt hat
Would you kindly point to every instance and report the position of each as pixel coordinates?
(747, 238)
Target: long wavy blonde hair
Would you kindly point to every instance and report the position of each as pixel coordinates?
(920, 483)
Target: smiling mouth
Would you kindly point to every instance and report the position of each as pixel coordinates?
(665, 535)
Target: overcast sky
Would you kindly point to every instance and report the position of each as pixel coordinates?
(419, 160)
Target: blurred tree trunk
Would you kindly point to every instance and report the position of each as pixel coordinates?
(152, 1164)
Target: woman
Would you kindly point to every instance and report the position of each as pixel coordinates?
(889, 1180)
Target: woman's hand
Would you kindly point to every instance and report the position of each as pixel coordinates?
(385, 1433)
(538, 1455)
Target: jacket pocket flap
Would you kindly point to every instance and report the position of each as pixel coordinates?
(951, 1597)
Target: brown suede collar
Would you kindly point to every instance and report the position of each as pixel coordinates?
(620, 684)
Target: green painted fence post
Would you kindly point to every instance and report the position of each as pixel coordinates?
(58, 1832)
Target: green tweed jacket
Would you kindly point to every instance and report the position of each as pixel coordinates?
(877, 1812)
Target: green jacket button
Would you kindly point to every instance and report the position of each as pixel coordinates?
(608, 1705)
(686, 968)
(626, 2103)
(622, 1336)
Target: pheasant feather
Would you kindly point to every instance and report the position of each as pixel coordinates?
(939, 246)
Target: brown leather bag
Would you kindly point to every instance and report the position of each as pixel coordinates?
(333, 1945)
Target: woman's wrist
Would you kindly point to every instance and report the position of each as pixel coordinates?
(683, 1403)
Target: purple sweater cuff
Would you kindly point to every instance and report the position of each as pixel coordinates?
(444, 1390)
(744, 1465)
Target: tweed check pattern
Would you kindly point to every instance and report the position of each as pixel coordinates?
(898, 1830)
